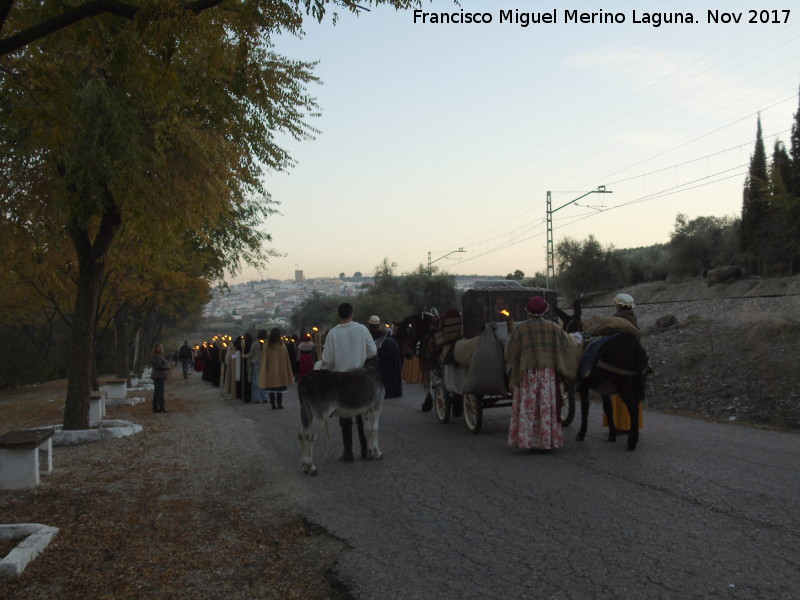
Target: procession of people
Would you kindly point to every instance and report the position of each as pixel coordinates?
(260, 368)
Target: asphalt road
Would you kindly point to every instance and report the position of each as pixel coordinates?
(700, 510)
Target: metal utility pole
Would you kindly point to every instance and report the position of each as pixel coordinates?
(551, 269)
(430, 262)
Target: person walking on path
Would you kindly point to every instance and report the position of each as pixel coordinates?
(539, 351)
(185, 356)
(257, 393)
(276, 369)
(306, 355)
(159, 374)
(390, 359)
(347, 347)
(623, 308)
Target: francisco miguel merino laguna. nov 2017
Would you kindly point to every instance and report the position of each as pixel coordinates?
(600, 17)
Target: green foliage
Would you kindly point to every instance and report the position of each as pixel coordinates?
(424, 290)
(317, 310)
(151, 119)
(793, 181)
(755, 203)
(648, 263)
(770, 226)
(702, 244)
(384, 280)
(391, 297)
(389, 307)
(586, 267)
(516, 275)
(539, 280)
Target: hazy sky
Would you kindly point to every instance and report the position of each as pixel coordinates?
(436, 137)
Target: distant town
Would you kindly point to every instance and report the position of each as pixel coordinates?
(277, 299)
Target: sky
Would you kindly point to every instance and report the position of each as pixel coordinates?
(441, 142)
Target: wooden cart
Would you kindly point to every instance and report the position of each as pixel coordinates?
(491, 305)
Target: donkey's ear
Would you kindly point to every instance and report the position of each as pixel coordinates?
(576, 310)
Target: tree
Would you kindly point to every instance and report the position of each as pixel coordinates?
(384, 280)
(426, 289)
(390, 308)
(160, 118)
(793, 181)
(28, 23)
(702, 244)
(586, 267)
(539, 280)
(779, 235)
(516, 275)
(401, 295)
(755, 202)
(644, 264)
(317, 310)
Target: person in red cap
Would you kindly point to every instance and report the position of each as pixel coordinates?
(539, 352)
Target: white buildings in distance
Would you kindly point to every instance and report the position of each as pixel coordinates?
(276, 300)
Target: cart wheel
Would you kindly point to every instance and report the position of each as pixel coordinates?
(567, 405)
(442, 403)
(473, 412)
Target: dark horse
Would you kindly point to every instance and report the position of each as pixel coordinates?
(414, 335)
(621, 368)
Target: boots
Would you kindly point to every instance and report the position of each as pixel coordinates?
(347, 439)
(280, 400)
(272, 400)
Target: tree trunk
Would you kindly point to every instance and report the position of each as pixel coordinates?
(81, 348)
(91, 260)
(121, 342)
(147, 335)
(137, 346)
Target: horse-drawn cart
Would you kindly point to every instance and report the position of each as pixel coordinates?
(470, 373)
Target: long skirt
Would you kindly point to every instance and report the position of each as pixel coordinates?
(411, 370)
(534, 412)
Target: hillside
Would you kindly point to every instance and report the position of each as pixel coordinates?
(698, 289)
(728, 352)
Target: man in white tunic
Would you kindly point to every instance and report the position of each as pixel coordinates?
(347, 347)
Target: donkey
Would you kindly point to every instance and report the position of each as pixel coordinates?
(621, 368)
(571, 323)
(324, 394)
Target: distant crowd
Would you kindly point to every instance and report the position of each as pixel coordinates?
(260, 368)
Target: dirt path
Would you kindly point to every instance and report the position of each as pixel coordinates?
(184, 509)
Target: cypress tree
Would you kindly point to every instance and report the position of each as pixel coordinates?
(755, 203)
(793, 182)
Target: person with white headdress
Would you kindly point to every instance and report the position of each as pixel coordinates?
(539, 353)
(623, 304)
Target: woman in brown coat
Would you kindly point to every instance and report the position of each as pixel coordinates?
(276, 369)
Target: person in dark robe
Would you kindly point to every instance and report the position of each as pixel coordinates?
(390, 359)
(202, 362)
(247, 387)
(291, 347)
(214, 364)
